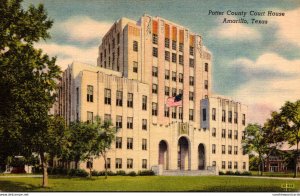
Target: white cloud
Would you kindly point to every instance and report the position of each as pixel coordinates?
(288, 26)
(66, 54)
(82, 29)
(235, 31)
(264, 95)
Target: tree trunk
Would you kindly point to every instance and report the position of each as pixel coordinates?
(296, 159)
(76, 164)
(45, 172)
(104, 156)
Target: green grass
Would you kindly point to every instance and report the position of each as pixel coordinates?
(276, 174)
(149, 183)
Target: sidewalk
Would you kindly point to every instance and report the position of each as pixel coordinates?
(22, 176)
(264, 177)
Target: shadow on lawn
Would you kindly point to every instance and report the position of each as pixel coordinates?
(10, 186)
(227, 188)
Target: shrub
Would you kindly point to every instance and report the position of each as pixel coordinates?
(246, 173)
(221, 173)
(121, 173)
(132, 173)
(237, 173)
(229, 173)
(146, 173)
(95, 173)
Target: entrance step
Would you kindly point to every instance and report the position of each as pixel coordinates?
(188, 173)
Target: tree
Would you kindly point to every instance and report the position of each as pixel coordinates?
(105, 136)
(255, 141)
(27, 82)
(290, 127)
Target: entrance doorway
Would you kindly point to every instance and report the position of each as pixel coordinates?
(183, 154)
(163, 155)
(201, 157)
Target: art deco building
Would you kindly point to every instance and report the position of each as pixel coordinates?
(140, 65)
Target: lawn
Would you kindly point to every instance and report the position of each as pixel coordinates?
(149, 183)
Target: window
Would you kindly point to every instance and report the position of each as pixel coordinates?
(191, 96)
(113, 58)
(144, 144)
(204, 114)
(206, 84)
(223, 133)
(174, 92)
(90, 92)
(118, 38)
(174, 43)
(230, 134)
(191, 114)
(107, 117)
(167, 111)
(167, 74)
(191, 81)
(191, 51)
(206, 67)
(180, 92)
(192, 62)
(174, 112)
(107, 98)
(144, 124)
(180, 77)
(213, 114)
(118, 142)
(144, 163)
(223, 116)
(174, 78)
(167, 55)
(244, 165)
(167, 42)
(235, 165)
(213, 147)
(119, 100)
(119, 122)
(135, 46)
(90, 117)
(180, 113)
(235, 150)
(214, 132)
(129, 143)
(230, 116)
(167, 91)
(229, 165)
(235, 117)
(154, 71)
(154, 52)
(129, 163)
(180, 59)
(229, 149)
(105, 53)
(174, 59)
(223, 165)
(130, 100)
(154, 109)
(154, 88)
(135, 67)
(235, 134)
(214, 164)
(101, 57)
(154, 38)
(129, 123)
(244, 119)
(89, 164)
(118, 163)
(243, 136)
(108, 162)
(181, 47)
(223, 149)
(144, 102)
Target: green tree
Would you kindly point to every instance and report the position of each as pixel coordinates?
(106, 134)
(27, 82)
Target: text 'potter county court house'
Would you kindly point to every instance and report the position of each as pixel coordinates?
(140, 66)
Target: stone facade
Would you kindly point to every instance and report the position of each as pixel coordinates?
(140, 65)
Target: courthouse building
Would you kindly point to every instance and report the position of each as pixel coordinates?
(140, 65)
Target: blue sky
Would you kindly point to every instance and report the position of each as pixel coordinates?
(256, 64)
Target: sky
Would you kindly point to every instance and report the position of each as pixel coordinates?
(255, 64)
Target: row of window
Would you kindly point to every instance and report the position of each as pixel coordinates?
(235, 119)
(223, 149)
(174, 76)
(174, 113)
(118, 162)
(174, 44)
(223, 133)
(235, 166)
(130, 143)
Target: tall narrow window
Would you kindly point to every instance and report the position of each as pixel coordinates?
(90, 93)
(119, 100)
(191, 114)
(154, 38)
(144, 124)
(180, 113)
(191, 81)
(129, 123)
(244, 119)
(167, 55)
(223, 149)
(144, 102)
(204, 114)
(118, 163)
(181, 59)
(130, 100)
(223, 165)
(181, 47)
(235, 150)
(90, 117)
(118, 142)
(191, 96)
(129, 163)
(191, 51)
(235, 117)
(213, 115)
(223, 133)
(135, 67)
(129, 143)
(206, 67)
(118, 38)
(229, 165)
(213, 148)
(135, 46)
(167, 91)
(180, 77)
(174, 57)
(214, 132)
(174, 92)
(154, 52)
(174, 45)
(167, 42)
(154, 88)
(206, 84)
(230, 116)
(144, 144)
(244, 165)
(167, 74)
(144, 163)
(154, 109)
(107, 98)
(108, 163)
(167, 111)
(235, 165)
(119, 122)
(174, 77)
(230, 134)
(236, 134)
(229, 149)
(174, 112)
(192, 62)
(223, 116)
(154, 71)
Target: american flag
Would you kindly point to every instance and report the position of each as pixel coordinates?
(174, 101)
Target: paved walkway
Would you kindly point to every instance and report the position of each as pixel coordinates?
(22, 176)
(264, 177)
